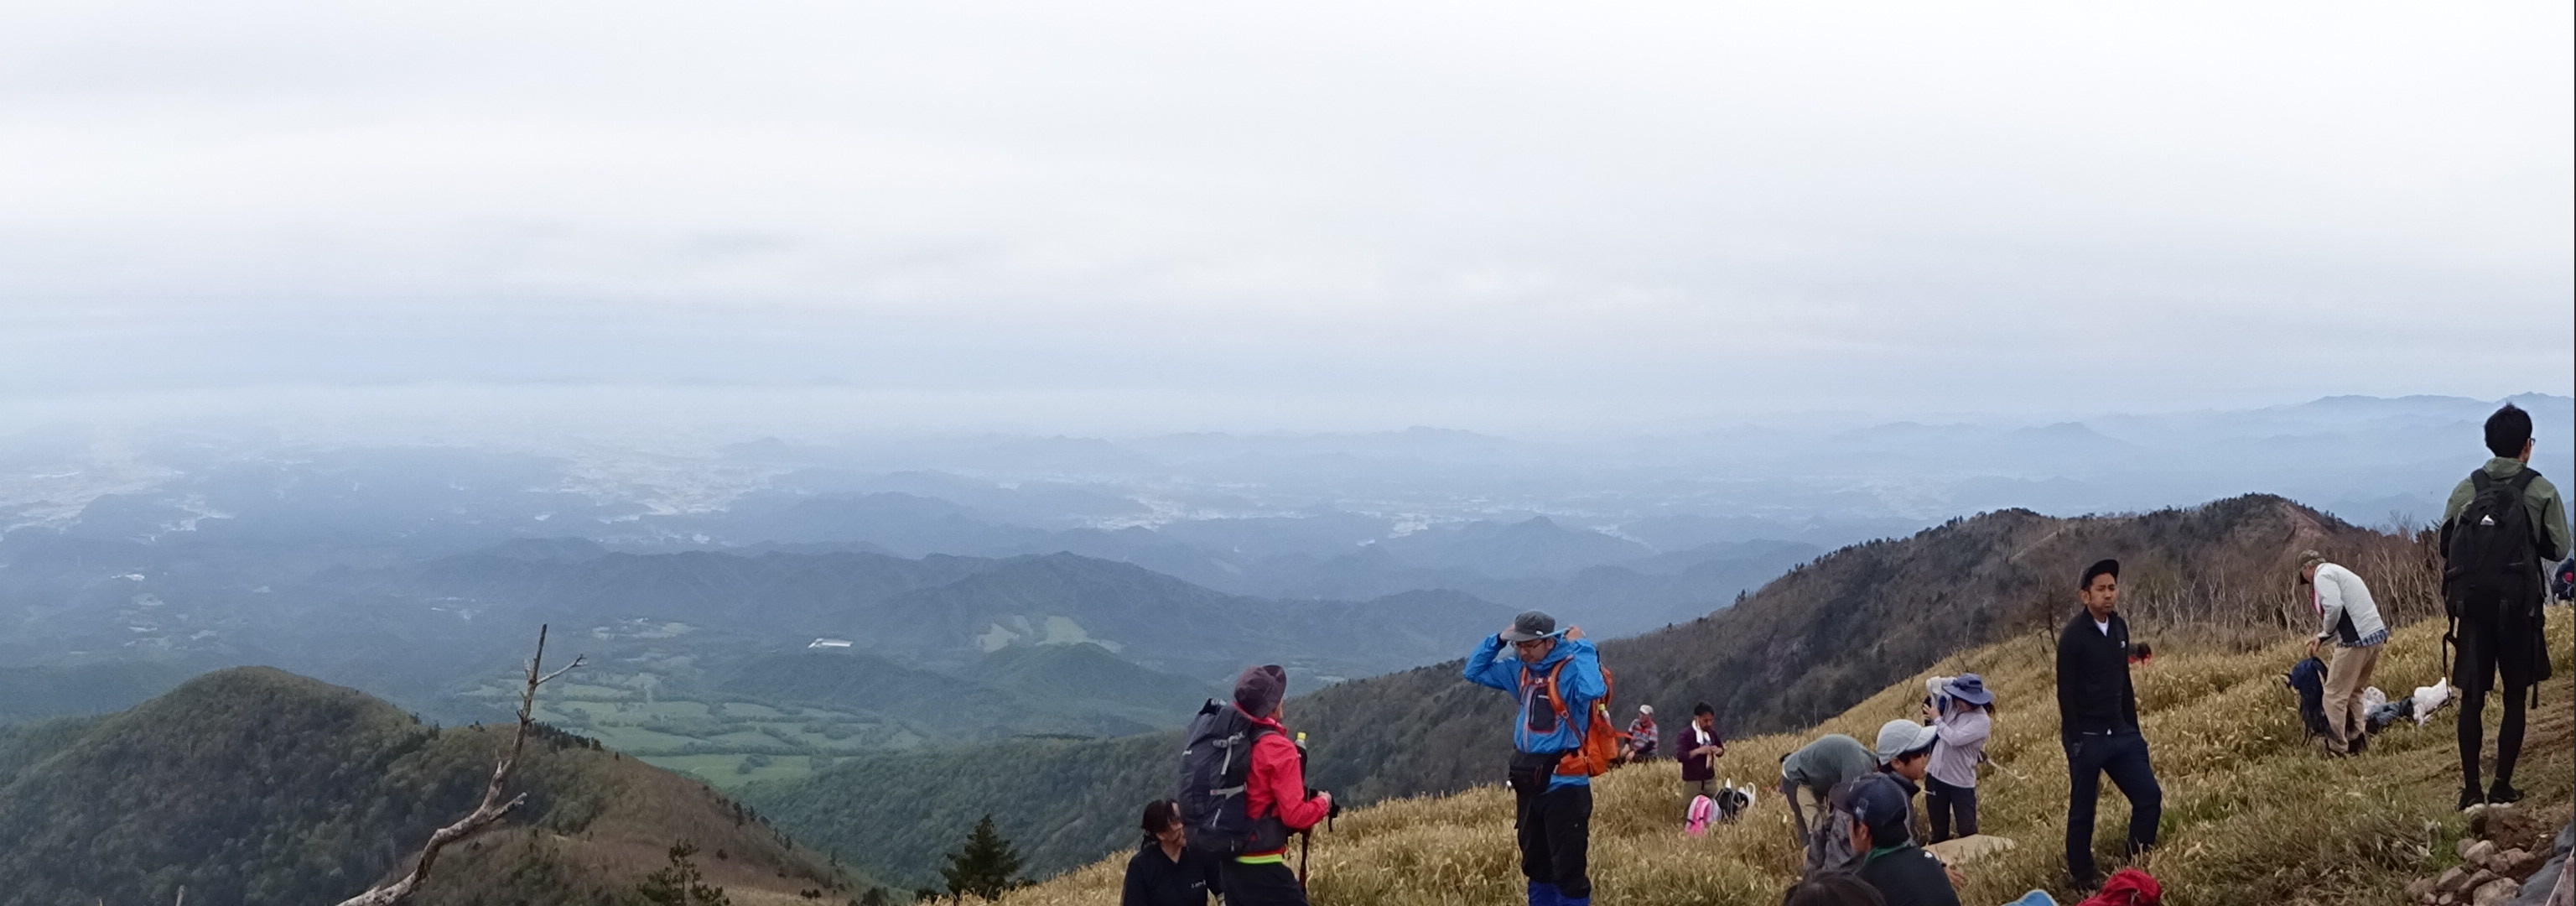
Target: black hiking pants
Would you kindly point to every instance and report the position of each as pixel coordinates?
(1946, 802)
(1555, 826)
(1260, 884)
(2482, 659)
(2123, 755)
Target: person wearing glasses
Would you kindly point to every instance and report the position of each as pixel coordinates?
(1557, 677)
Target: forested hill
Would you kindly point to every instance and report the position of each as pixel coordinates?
(255, 786)
(1806, 646)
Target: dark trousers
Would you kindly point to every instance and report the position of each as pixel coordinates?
(1265, 884)
(1555, 826)
(1945, 802)
(2122, 755)
(2479, 664)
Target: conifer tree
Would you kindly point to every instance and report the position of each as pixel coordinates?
(679, 884)
(986, 867)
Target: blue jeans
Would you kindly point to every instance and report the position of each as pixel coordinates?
(2123, 755)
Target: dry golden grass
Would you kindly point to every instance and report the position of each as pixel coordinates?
(2252, 815)
(645, 810)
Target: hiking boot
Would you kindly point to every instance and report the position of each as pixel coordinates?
(1544, 895)
(2358, 744)
(2503, 793)
(2471, 798)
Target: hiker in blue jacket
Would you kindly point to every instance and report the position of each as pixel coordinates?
(1554, 814)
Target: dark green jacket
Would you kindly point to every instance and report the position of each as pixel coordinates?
(1821, 765)
(1908, 876)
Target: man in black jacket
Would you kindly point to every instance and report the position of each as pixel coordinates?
(2099, 714)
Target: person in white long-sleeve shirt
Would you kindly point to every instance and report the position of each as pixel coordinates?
(2347, 617)
(1963, 711)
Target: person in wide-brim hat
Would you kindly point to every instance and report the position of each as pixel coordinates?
(1964, 713)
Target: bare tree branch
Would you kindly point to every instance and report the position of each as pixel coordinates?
(493, 807)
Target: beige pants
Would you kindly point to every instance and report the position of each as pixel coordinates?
(1827, 835)
(1808, 806)
(2346, 674)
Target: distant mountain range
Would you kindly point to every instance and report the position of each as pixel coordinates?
(737, 667)
(944, 611)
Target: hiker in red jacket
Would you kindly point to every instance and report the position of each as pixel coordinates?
(1275, 790)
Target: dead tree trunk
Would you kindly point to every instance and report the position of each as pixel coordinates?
(493, 806)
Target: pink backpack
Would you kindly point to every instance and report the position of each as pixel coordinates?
(1701, 808)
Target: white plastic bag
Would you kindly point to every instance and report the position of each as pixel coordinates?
(2429, 699)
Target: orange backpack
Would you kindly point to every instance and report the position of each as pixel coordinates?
(1600, 747)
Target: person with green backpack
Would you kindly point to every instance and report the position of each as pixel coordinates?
(2502, 528)
(1561, 738)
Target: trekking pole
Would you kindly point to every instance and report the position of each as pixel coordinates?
(1305, 849)
(1306, 838)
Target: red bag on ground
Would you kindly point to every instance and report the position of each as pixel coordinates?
(2128, 887)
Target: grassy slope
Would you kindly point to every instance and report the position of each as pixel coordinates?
(2251, 815)
(630, 839)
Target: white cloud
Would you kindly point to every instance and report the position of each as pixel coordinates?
(1874, 204)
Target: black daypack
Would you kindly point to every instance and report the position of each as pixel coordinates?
(2489, 558)
(1216, 769)
(2309, 680)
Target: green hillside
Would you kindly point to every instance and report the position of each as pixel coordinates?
(1087, 679)
(255, 786)
(897, 814)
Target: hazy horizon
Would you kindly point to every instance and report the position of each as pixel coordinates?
(484, 413)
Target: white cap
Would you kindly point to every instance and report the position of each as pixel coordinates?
(1645, 709)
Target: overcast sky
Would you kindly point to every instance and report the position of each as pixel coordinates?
(1474, 214)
